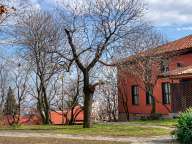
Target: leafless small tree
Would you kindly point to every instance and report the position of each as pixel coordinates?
(38, 33)
(122, 94)
(20, 79)
(74, 94)
(108, 95)
(70, 96)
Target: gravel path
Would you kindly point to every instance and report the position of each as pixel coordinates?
(141, 125)
(133, 140)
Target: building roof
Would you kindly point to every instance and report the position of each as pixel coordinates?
(177, 45)
(183, 44)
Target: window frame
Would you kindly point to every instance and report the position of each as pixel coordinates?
(149, 100)
(135, 94)
(164, 67)
(166, 93)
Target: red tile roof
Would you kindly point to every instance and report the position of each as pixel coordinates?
(177, 45)
(184, 43)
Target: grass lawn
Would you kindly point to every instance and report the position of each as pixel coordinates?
(124, 130)
(12, 140)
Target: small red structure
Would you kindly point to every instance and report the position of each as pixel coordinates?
(173, 89)
(59, 117)
(56, 117)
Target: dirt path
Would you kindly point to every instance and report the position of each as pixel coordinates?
(133, 140)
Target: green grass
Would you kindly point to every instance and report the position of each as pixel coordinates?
(97, 129)
(16, 140)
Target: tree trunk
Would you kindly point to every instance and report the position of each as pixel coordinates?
(153, 105)
(114, 116)
(46, 106)
(88, 96)
(43, 105)
(150, 93)
(153, 101)
(71, 122)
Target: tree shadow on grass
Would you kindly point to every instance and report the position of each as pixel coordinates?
(171, 141)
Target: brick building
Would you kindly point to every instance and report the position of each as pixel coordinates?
(173, 89)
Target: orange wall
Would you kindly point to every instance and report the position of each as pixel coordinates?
(143, 108)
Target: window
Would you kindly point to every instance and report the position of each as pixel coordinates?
(148, 98)
(179, 65)
(164, 67)
(135, 94)
(166, 93)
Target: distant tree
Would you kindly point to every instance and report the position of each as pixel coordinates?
(10, 105)
(108, 96)
(69, 99)
(10, 108)
(74, 94)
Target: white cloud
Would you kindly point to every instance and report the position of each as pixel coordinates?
(169, 12)
(188, 28)
(160, 12)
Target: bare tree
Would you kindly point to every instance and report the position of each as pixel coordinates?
(93, 29)
(37, 33)
(74, 94)
(70, 97)
(122, 95)
(20, 80)
(108, 96)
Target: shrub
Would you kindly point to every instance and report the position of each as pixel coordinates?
(143, 118)
(183, 130)
(155, 116)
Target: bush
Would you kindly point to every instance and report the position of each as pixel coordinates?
(143, 118)
(154, 116)
(183, 130)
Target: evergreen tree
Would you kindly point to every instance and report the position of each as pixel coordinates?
(10, 105)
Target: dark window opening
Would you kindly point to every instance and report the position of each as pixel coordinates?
(164, 68)
(135, 94)
(166, 93)
(148, 98)
(179, 65)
